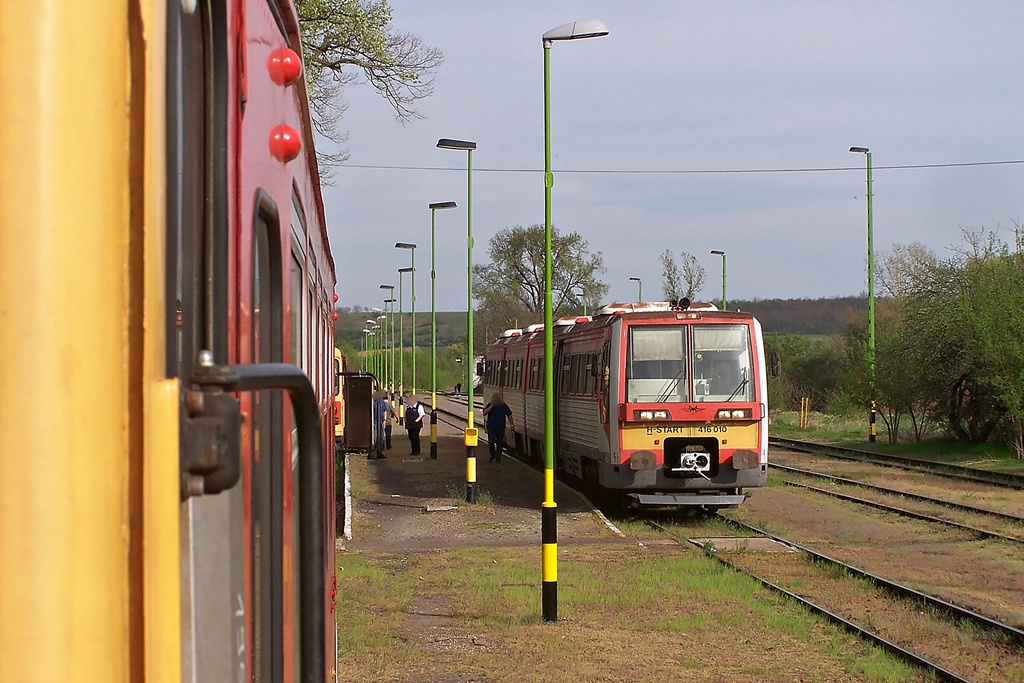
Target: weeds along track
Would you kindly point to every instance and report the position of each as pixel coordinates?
(980, 520)
(945, 640)
(959, 472)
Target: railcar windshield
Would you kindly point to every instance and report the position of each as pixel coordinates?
(722, 369)
(656, 365)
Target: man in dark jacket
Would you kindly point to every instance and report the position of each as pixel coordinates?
(496, 412)
(414, 414)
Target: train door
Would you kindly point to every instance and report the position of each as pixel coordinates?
(212, 543)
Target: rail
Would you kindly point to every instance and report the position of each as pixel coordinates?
(960, 472)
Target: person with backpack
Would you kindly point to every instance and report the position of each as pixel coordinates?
(414, 415)
(496, 412)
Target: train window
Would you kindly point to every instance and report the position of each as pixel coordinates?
(722, 369)
(563, 386)
(656, 365)
(594, 373)
(266, 545)
(295, 301)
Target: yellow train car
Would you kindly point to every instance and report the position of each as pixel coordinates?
(167, 384)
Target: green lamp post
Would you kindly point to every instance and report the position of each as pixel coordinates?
(470, 435)
(717, 252)
(639, 289)
(590, 28)
(433, 324)
(871, 298)
(412, 250)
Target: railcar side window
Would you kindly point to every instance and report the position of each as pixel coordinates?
(722, 369)
(656, 365)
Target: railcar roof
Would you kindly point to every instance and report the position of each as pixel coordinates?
(640, 315)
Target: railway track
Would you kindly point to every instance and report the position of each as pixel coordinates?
(978, 625)
(977, 531)
(959, 472)
(955, 614)
(898, 492)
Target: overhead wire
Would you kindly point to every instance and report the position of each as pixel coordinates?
(683, 171)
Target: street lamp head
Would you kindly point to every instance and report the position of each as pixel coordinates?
(447, 143)
(390, 301)
(405, 245)
(387, 286)
(405, 270)
(588, 28)
(442, 205)
(860, 150)
(635, 279)
(371, 322)
(716, 252)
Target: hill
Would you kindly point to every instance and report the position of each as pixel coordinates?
(792, 316)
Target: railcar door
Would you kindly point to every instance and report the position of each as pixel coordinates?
(214, 603)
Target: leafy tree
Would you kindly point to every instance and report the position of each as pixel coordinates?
(343, 39)
(671, 279)
(687, 272)
(510, 288)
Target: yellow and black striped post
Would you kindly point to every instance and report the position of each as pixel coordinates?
(471, 438)
(549, 541)
(433, 432)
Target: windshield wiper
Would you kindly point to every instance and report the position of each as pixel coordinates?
(738, 389)
(670, 386)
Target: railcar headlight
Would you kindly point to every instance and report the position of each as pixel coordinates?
(650, 415)
(739, 414)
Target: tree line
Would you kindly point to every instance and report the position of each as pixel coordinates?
(949, 346)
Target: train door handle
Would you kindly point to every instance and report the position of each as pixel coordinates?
(217, 381)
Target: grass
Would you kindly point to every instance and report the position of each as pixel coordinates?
(484, 498)
(683, 610)
(851, 432)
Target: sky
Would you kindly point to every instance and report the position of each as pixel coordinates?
(693, 87)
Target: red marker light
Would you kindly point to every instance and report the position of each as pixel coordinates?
(284, 143)
(284, 66)
(335, 298)
(335, 315)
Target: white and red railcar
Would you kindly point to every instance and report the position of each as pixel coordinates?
(667, 404)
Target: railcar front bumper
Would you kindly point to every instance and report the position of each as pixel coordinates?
(689, 499)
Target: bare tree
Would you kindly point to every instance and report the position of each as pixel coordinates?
(343, 40)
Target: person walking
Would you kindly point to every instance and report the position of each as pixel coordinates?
(414, 415)
(380, 411)
(496, 412)
(389, 417)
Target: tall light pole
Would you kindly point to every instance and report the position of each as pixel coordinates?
(583, 297)
(401, 342)
(412, 250)
(365, 365)
(639, 289)
(716, 252)
(590, 28)
(470, 435)
(382, 338)
(391, 297)
(373, 324)
(871, 297)
(433, 324)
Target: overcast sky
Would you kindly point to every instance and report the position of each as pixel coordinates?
(691, 86)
